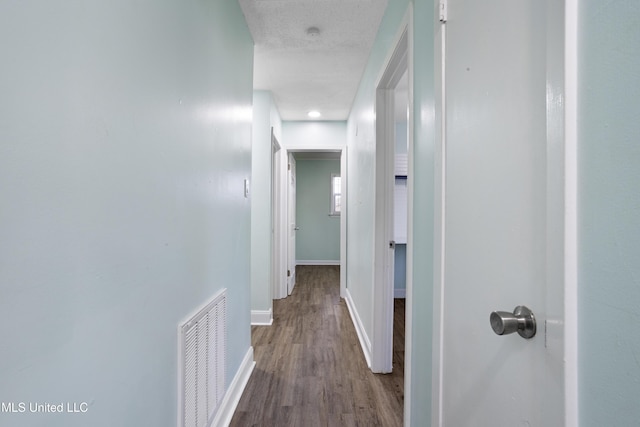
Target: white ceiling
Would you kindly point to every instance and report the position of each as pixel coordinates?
(306, 72)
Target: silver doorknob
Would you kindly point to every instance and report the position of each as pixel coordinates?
(521, 321)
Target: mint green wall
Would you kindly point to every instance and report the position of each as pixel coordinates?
(423, 213)
(265, 116)
(361, 170)
(609, 213)
(319, 236)
(125, 139)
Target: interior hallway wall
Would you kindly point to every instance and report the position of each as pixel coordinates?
(609, 213)
(310, 135)
(361, 171)
(125, 139)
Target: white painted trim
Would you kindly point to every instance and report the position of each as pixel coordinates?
(408, 327)
(291, 221)
(280, 289)
(262, 317)
(400, 293)
(343, 224)
(234, 392)
(571, 215)
(343, 217)
(280, 285)
(439, 228)
(317, 262)
(276, 222)
(365, 343)
(392, 71)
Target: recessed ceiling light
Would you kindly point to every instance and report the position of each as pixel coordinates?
(314, 114)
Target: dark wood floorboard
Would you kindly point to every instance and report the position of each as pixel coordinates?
(310, 370)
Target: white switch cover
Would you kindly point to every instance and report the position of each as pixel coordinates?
(246, 188)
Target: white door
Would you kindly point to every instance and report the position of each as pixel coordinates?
(291, 189)
(499, 218)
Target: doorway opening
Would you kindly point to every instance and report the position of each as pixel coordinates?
(277, 244)
(306, 220)
(394, 139)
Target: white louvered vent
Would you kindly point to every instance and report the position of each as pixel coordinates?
(202, 365)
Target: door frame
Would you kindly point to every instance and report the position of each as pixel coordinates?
(283, 176)
(276, 222)
(280, 173)
(291, 222)
(399, 60)
(562, 248)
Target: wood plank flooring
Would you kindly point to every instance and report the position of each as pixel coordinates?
(310, 370)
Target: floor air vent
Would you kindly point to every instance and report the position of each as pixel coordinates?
(202, 365)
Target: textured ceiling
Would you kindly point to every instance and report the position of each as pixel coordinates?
(306, 72)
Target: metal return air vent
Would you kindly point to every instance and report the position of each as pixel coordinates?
(202, 363)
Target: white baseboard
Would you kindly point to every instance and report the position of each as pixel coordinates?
(262, 317)
(317, 262)
(234, 392)
(365, 343)
(399, 293)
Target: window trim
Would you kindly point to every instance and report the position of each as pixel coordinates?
(333, 194)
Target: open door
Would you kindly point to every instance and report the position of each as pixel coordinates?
(291, 223)
(502, 216)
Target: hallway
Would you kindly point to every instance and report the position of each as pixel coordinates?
(310, 370)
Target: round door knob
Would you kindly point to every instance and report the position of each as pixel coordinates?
(521, 321)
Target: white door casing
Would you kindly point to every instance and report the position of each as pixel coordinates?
(276, 223)
(396, 64)
(502, 239)
(343, 224)
(291, 222)
(284, 179)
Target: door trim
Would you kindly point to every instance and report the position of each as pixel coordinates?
(276, 222)
(343, 215)
(439, 222)
(397, 62)
(291, 225)
(280, 208)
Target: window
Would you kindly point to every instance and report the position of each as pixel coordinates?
(336, 195)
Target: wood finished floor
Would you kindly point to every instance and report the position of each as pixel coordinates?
(310, 370)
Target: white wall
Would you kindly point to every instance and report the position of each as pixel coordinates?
(314, 135)
(124, 141)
